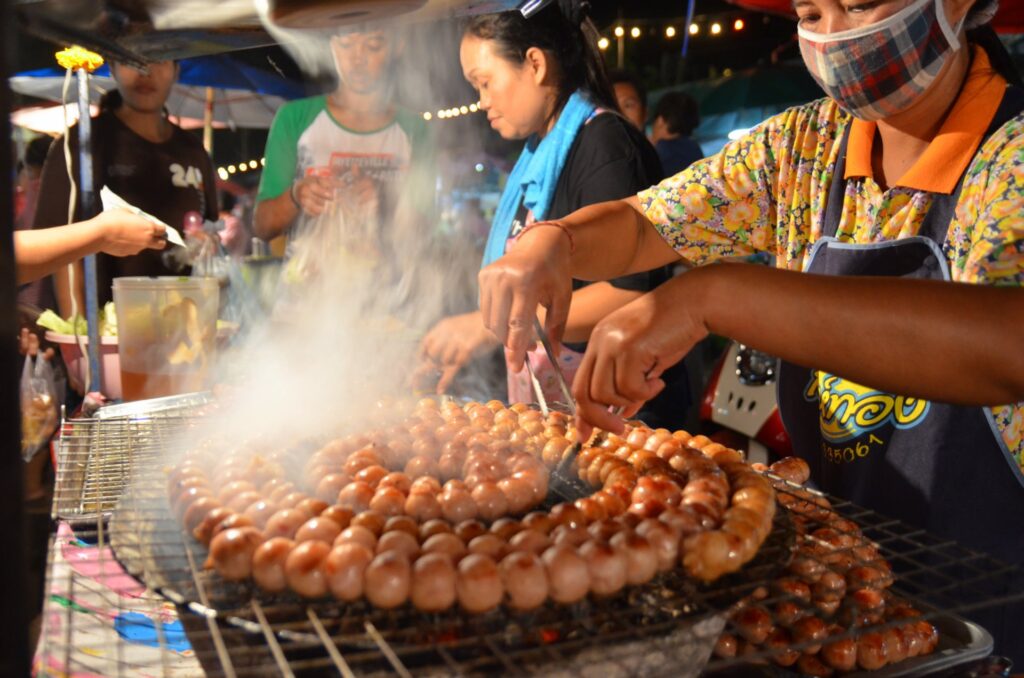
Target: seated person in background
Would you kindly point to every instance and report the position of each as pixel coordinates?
(141, 156)
(30, 169)
(631, 97)
(675, 117)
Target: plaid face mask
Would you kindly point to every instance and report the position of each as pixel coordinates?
(881, 69)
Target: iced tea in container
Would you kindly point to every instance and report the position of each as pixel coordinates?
(167, 332)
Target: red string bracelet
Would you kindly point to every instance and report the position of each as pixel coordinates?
(555, 224)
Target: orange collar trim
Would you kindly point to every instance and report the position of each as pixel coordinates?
(940, 167)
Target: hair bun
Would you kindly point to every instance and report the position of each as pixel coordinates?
(575, 11)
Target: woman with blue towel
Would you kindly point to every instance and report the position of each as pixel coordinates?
(542, 79)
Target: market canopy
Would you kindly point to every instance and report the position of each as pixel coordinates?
(50, 119)
(243, 95)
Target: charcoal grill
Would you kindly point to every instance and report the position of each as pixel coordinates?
(111, 472)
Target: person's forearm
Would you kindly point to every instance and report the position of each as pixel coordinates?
(941, 341)
(613, 239)
(589, 305)
(40, 252)
(273, 216)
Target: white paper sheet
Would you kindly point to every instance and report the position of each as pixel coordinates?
(113, 201)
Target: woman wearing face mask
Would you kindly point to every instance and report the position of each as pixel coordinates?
(895, 208)
(352, 147)
(142, 157)
(542, 79)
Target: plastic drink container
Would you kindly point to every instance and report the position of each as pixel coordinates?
(167, 331)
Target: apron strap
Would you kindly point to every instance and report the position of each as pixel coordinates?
(836, 190)
(943, 208)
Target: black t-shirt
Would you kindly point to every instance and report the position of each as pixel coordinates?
(163, 179)
(611, 160)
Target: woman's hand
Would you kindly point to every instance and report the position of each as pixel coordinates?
(313, 194)
(536, 271)
(631, 348)
(450, 345)
(122, 233)
(28, 344)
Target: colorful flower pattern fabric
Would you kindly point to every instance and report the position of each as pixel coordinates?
(766, 193)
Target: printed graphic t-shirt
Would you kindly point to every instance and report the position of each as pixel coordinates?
(306, 140)
(163, 179)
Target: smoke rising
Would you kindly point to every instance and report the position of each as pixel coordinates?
(359, 290)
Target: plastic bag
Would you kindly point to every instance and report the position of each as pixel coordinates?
(38, 405)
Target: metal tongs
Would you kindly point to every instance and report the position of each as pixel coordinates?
(562, 473)
(563, 386)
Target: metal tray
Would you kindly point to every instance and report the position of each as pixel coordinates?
(960, 642)
(140, 408)
(94, 456)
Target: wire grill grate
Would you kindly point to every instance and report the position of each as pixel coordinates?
(114, 469)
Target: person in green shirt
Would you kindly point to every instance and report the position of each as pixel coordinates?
(336, 164)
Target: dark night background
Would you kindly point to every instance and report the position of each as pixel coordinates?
(655, 58)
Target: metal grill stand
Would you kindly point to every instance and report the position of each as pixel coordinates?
(111, 487)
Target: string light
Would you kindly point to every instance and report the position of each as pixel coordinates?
(671, 31)
(453, 112)
(225, 172)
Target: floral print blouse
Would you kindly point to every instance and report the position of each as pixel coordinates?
(766, 193)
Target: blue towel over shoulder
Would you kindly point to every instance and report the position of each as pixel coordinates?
(534, 178)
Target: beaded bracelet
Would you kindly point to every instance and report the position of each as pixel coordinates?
(555, 224)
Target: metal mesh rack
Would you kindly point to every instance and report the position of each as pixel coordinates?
(96, 454)
(112, 472)
(942, 579)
